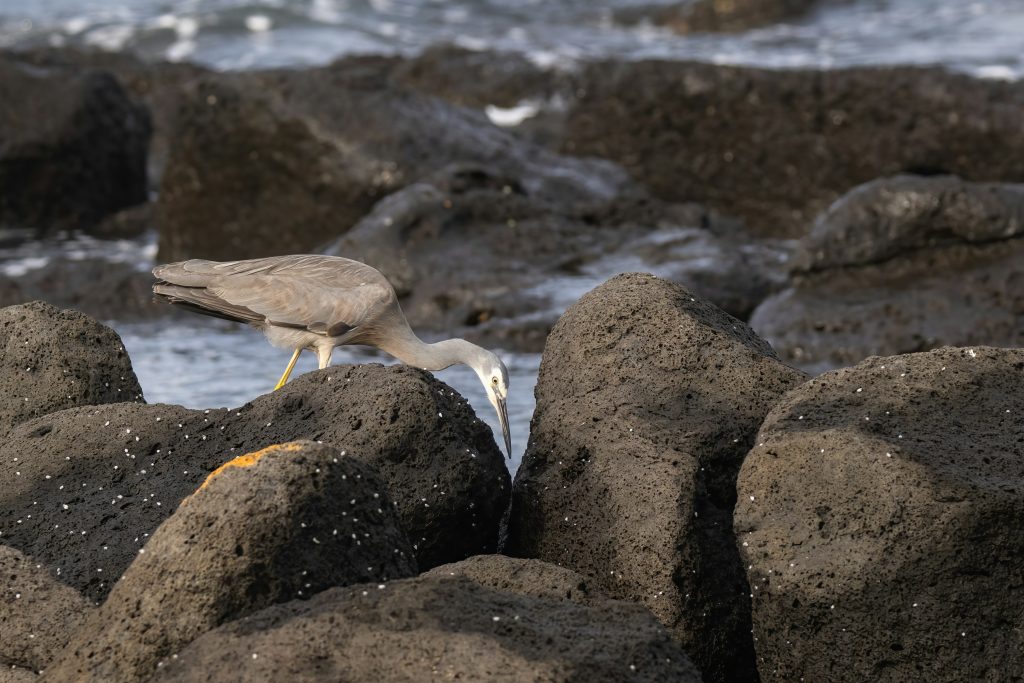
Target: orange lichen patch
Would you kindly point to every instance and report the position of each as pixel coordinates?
(249, 459)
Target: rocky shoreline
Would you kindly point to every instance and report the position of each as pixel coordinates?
(694, 503)
(689, 508)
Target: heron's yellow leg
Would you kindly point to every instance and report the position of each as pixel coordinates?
(288, 370)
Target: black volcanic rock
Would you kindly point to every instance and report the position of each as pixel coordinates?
(648, 399)
(434, 627)
(283, 523)
(266, 163)
(72, 147)
(881, 520)
(97, 481)
(900, 265)
(52, 359)
(775, 147)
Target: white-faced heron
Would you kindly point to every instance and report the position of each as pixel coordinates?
(320, 302)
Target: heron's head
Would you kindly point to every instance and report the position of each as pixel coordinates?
(494, 376)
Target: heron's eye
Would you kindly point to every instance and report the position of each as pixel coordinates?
(494, 381)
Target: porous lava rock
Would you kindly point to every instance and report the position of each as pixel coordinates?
(72, 147)
(647, 401)
(81, 490)
(535, 578)
(52, 359)
(279, 524)
(900, 265)
(14, 674)
(881, 518)
(776, 147)
(435, 627)
(38, 613)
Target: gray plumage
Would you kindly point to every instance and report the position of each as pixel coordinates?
(317, 303)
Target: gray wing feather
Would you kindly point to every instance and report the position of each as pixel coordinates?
(324, 294)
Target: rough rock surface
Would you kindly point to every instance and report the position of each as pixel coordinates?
(431, 627)
(881, 515)
(277, 162)
(38, 613)
(52, 359)
(279, 524)
(534, 578)
(648, 399)
(98, 480)
(72, 147)
(903, 264)
(15, 674)
(776, 147)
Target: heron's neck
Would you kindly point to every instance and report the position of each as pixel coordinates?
(413, 351)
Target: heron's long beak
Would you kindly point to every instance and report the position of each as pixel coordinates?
(499, 405)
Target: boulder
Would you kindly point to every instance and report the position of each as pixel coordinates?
(38, 613)
(279, 524)
(265, 163)
(881, 521)
(900, 265)
(435, 627)
(647, 400)
(91, 484)
(72, 147)
(157, 85)
(775, 147)
(53, 359)
(533, 578)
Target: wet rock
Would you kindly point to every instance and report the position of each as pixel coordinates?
(72, 147)
(900, 265)
(648, 398)
(880, 515)
(38, 613)
(435, 627)
(776, 147)
(278, 162)
(97, 481)
(282, 523)
(532, 578)
(53, 359)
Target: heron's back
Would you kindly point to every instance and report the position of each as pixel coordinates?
(325, 295)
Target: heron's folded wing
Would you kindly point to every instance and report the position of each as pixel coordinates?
(305, 302)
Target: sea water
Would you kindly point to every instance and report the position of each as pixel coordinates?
(983, 37)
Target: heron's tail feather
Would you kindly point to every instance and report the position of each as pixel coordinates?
(201, 300)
